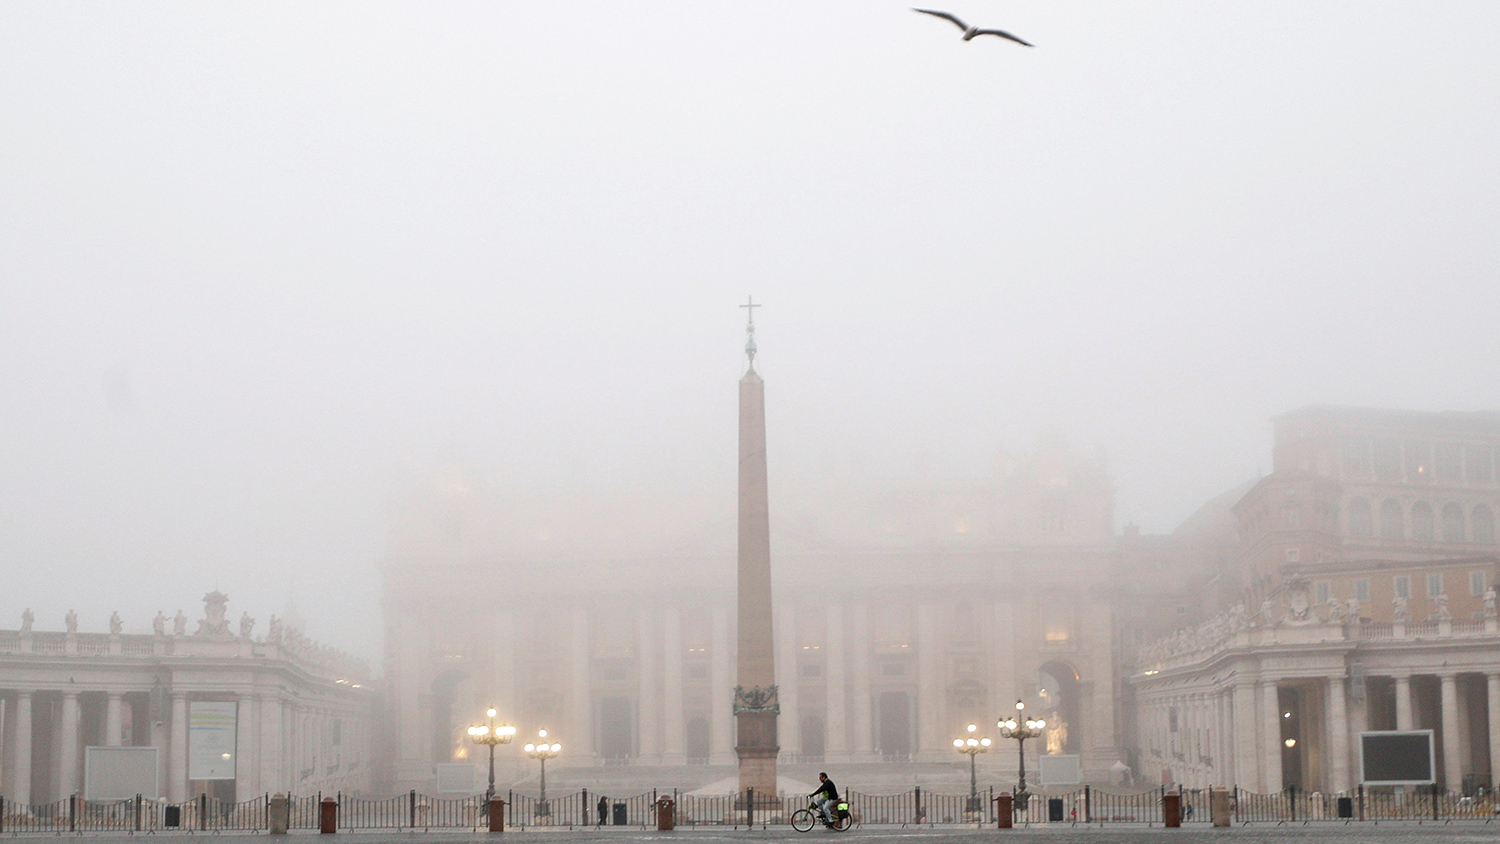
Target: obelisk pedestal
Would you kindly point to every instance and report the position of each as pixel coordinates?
(755, 703)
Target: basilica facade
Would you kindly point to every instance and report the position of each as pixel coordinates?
(903, 612)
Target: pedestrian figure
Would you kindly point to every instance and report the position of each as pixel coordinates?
(603, 808)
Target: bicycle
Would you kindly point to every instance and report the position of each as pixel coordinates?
(805, 819)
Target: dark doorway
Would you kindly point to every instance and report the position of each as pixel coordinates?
(697, 741)
(1058, 695)
(812, 738)
(616, 728)
(893, 733)
(443, 687)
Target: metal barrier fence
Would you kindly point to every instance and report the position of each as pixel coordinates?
(416, 811)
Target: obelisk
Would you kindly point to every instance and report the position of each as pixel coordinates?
(755, 702)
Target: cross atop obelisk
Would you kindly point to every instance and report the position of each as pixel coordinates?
(750, 307)
(755, 702)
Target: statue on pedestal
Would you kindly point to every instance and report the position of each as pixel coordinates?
(159, 624)
(246, 624)
(1399, 612)
(115, 624)
(28, 617)
(179, 624)
(70, 621)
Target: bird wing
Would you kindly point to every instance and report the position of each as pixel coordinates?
(1003, 34)
(945, 16)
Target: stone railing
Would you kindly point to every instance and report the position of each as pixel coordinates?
(318, 659)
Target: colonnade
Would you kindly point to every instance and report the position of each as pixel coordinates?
(1237, 731)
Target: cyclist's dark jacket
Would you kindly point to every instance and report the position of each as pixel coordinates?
(827, 788)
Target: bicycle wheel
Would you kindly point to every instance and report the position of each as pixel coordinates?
(802, 820)
(843, 823)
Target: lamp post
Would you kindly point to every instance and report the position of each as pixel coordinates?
(1015, 727)
(972, 745)
(490, 734)
(542, 751)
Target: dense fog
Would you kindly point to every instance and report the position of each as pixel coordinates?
(269, 268)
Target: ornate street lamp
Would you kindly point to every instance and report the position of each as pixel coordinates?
(1021, 730)
(490, 734)
(972, 745)
(542, 751)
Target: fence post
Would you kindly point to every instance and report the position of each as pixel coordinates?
(1361, 793)
(750, 806)
(1088, 809)
(916, 811)
(2, 813)
(1291, 801)
(1434, 801)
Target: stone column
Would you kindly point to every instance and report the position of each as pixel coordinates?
(859, 668)
(931, 719)
(112, 720)
(1338, 735)
(177, 781)
(1270, 717)
(272, 765)
(67, 753)
(721, 703)
(675, 729)
(646, 687)
(788, 723)
(581, 698)
(1225, 751)
(506, 692)
(18, 763)
(246, 783)
(835, 725)
(1403, 702)
(1452, 763)
(1246, 759)
(1492, 689)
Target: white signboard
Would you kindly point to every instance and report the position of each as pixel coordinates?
(120, 773)
(211, 728)
(1061, 769)
(456, 777)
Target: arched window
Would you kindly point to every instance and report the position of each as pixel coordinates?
(1421, 522)
(1360, 523)
(1453, 523)
(1392, 520)
(1484, 524)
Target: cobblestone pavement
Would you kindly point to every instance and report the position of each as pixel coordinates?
(1397, 832)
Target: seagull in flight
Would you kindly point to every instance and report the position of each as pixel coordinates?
(971, 31)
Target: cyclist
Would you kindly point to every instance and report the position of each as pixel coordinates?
(829, 799)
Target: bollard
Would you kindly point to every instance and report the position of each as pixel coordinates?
(1171, 809)
(328, 816)
(1218, 806)
(279, 814)
(497, 814)
(1003, 809)
(666, 814)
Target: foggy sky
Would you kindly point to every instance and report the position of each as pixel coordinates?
(265, 264)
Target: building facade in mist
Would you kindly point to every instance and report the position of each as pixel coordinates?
(293, 716)
(903, 612)
(1359, 596)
